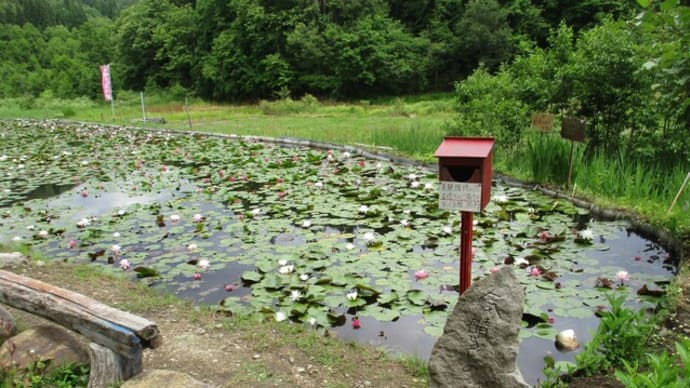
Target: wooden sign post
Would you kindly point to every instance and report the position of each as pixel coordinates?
(573, 129)
(542, 121)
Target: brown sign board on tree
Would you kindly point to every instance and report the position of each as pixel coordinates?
(573, 129)
(542, 121)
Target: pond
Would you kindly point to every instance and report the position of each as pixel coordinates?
(323, 238)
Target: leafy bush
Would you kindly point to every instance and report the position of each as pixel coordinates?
(489, 106)
(622, 335)
(659, 371)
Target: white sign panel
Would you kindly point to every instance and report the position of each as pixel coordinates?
(460, 196)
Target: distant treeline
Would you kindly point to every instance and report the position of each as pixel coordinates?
(232, 50)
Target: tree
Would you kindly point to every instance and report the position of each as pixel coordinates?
(486, 37)
(666, 59)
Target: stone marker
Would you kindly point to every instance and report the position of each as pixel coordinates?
(163, 378)
(11, 259)
(49, 343)
(479, 344)
(8, 325)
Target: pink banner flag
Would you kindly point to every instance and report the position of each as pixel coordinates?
(105, 82)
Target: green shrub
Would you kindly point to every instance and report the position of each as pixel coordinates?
(659, 371)
(623, 335)
(489, 106)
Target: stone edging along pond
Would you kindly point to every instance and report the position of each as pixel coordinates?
(638, 224)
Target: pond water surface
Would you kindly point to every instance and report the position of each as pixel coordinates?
(318, 237)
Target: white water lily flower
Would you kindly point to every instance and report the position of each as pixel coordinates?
(204, 264)
(379, 165)
(306, 223)
(369, 236)
(405, 223)
(304, 277)
(349, 246)
(346, 155)
(256, 212)
(312, 321)
(174, 218)
(412, 177)
(295, 294)
(352, 295)
(83, 222)
(407, 211)
(520, 261)
(280, 316)
(197, 218)
(363, 209)
(116, 234)
(3, 158)
(16, 238)
(124, 264)
(586, 234)
(282, 262)
(428, 186)
(30, 227)
(530, 210)
(116, 249)
(447, 229)
(318, 184)
(43, 234)
(330, 158)
(286, 269)
(191, 247)
(501, 198)
(414, 184)
(84, 162)
(120, 212)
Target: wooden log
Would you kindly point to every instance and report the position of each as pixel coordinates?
(118, 330)
(145, 329)
(109, 368)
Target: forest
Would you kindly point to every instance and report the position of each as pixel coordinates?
(619, 65)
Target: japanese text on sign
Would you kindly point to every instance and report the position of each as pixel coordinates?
(460, 196)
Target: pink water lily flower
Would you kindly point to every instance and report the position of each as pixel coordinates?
(71, 244)
(197, 218)
(535, 271)
(355, 323)
(116, 249)
(421, 274)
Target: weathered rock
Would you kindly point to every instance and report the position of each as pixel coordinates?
(11, 259)
(479, 344)
(8, 325)
(49, 343)
(157, 378)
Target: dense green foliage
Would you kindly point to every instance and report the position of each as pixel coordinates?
(250, 49)
(628, 81)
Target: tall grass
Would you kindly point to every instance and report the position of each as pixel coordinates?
(544, 156)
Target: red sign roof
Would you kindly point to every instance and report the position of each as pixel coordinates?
(465, 147)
